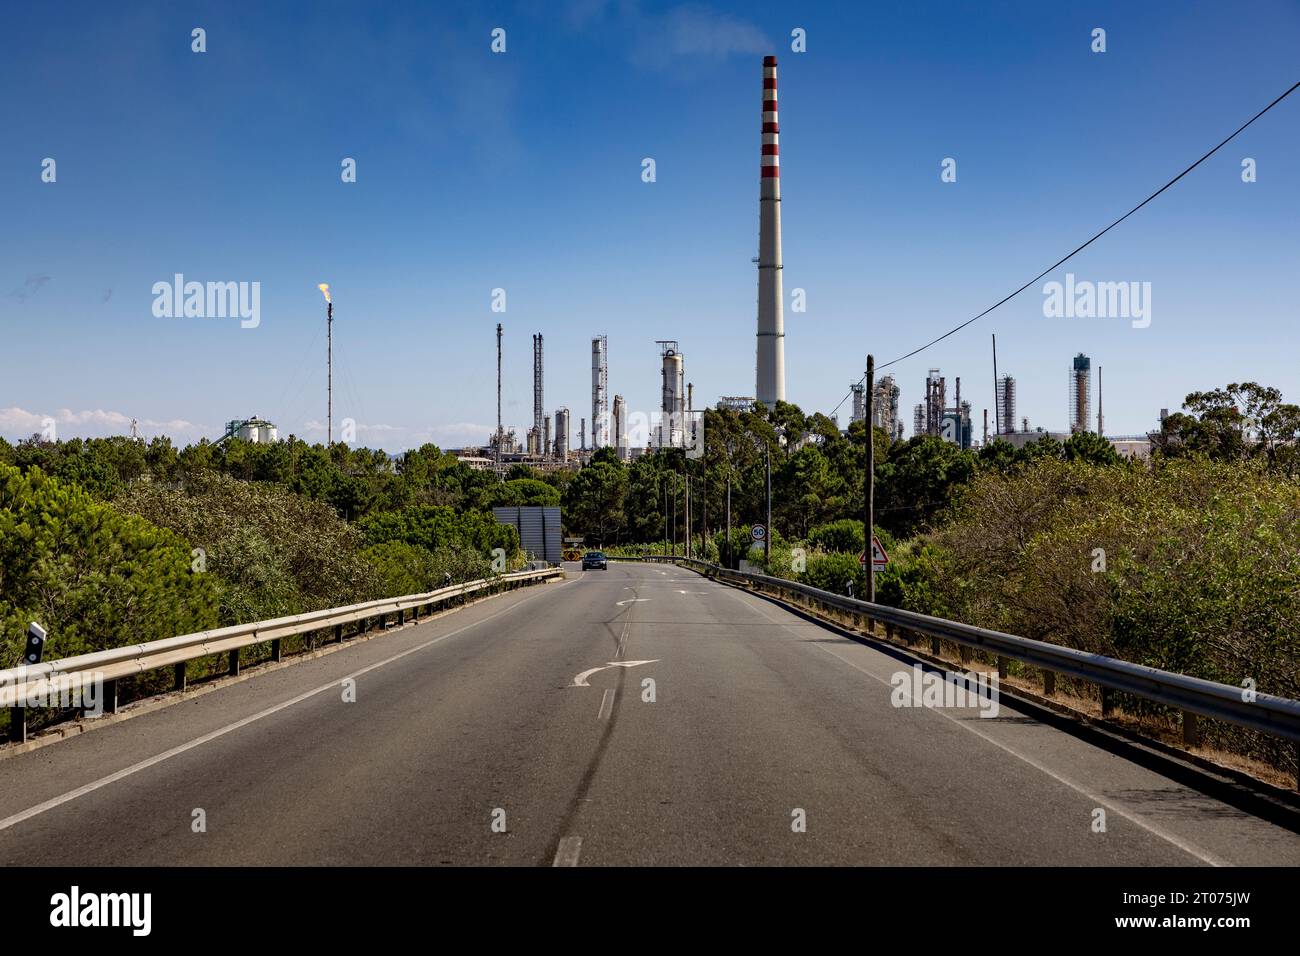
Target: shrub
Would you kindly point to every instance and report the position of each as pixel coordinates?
(94, 577)
(270, 552)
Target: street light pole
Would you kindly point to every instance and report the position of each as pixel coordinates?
(665, 519)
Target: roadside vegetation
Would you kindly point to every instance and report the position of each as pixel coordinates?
(114, 541)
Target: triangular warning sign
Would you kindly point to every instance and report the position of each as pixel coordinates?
(878, 557)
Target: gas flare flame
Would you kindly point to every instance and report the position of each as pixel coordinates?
(325, 291)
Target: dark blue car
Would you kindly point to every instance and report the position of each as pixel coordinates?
(594, 559)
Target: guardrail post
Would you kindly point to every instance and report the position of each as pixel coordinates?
(1049, 683)
(401, 616)
(338, 633)
(934, 646)
(1107, 701)
(18, 725)
(1002, 668)
(965, 655)
(1191, 729)
(180, 677)
(276, 654)
(234, 663)
(109, 695)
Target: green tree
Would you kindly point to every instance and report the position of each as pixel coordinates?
(594, 501)
(93, 577)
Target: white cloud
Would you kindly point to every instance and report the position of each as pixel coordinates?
(16, 423)
(19, 423)
(689, 31)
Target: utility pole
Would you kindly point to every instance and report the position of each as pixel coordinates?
(767, 537)
(665, 519)
(869, 524)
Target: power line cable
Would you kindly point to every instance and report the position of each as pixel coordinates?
(1079, 248)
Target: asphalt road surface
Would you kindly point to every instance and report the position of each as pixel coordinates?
(762, 739)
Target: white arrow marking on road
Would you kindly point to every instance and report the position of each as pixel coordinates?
(581, 679)
(629, 601)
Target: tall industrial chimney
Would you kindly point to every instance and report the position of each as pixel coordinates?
(1101, 419)
(538, 402)
(770, 387)
(599, 391)
(498, 435)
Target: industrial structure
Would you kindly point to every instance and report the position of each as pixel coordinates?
(859, 392)
(736, 403)
(1006, 405)
(620, 427)
(599, 391)
(770, 385)
(539, 399)
(936, 399)
(1101, 421)
(256, 430)
(562, 433)
(1080, 393)
(934, 416)
(884, 408)
(673, 400)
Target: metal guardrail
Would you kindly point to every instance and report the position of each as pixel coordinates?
(71, 674)
(1268, 713)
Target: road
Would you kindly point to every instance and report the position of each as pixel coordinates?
(470, 722)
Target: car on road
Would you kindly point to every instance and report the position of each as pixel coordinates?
(595, 559)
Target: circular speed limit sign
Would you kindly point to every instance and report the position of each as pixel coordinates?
(759, 532)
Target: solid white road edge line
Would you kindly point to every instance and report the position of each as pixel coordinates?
(135, 768)
(1191, 849)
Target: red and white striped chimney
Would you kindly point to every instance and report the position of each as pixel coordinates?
(770, 385)
(771, 129)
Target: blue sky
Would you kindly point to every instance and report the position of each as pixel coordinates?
(522, 171)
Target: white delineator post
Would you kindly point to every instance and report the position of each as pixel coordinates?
(770, 387)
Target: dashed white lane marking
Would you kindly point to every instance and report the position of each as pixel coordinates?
(567, 854)
(135, 768)
(606, 705)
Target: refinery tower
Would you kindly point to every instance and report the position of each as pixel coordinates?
(770, 387)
